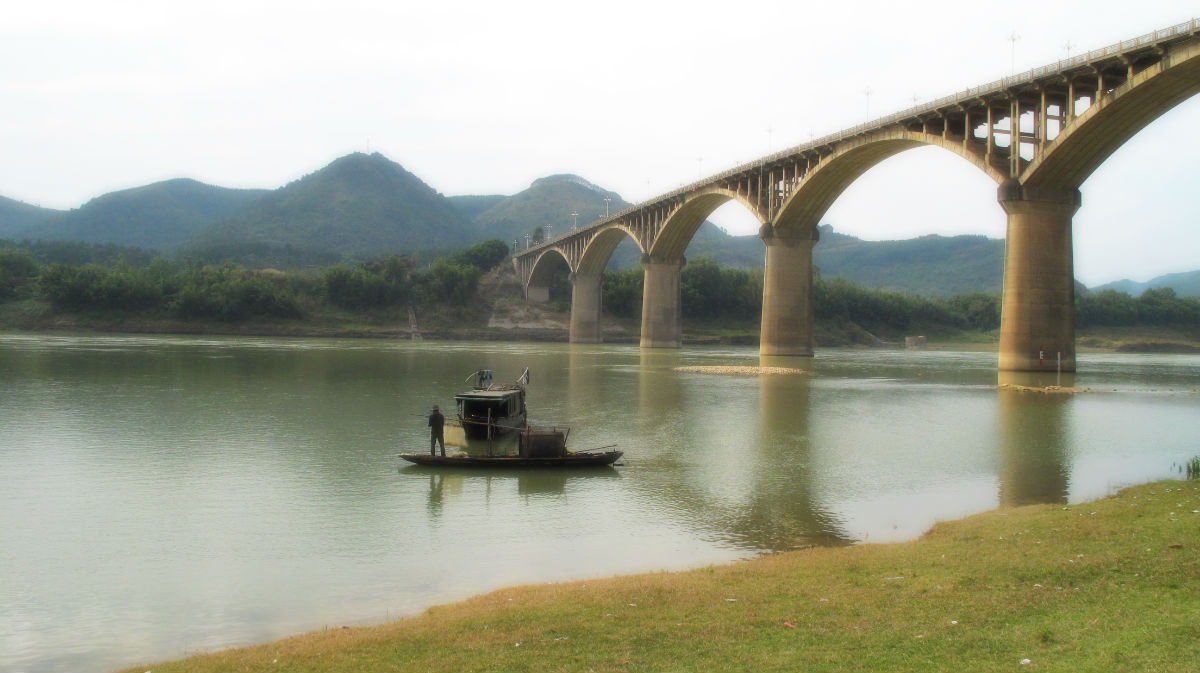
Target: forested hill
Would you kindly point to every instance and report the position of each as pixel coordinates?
(158, 216)
(547, 205)
(359, 204)
(929, 265)
(17, 217)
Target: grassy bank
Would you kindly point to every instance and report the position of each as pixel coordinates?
(1112, 585)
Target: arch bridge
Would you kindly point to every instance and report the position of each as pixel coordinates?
(1039, 135)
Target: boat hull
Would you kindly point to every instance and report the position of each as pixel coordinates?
(597, 459)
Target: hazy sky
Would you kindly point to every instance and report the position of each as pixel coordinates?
(637, 97)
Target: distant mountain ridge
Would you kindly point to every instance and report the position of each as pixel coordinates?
(930, 265)
(157, 216)
(1186, 284)
(365, 206)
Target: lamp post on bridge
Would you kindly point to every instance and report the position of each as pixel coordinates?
(606, 200)
(1012, 38)
(575, 222)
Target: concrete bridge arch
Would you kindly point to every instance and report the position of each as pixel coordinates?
(787, 315)
(663, 263)
(1029, 133)
(541, 269)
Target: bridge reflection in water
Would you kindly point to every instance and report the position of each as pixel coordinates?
(1034, 428)
(746, 467)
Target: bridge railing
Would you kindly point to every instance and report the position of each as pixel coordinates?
(1177, 31)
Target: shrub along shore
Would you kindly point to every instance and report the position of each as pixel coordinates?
(1099, 586)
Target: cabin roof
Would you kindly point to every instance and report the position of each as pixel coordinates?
(487, 394)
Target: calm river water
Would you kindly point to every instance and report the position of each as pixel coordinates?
(161, 496)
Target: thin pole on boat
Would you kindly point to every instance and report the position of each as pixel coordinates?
(489, 432)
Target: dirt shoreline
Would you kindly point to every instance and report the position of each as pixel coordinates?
(531, 334)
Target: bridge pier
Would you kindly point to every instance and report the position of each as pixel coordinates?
(660, 303)
(1037, 313)
(787, 313)
(585, 307)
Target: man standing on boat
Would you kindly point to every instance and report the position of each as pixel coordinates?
(436, 423)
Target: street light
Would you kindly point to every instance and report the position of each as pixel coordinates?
(575, 224)
(1013, 54)
(606, 200)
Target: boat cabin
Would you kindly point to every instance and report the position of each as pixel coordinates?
(489, 413)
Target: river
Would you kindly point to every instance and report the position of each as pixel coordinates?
(161, 496)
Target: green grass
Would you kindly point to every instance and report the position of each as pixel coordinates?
(1112, 585)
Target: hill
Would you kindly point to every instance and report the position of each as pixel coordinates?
(357, 205)
(17, 218)
(929, 265)
(548, 203)
(472, 206)
(158, 216)
(1185, 284)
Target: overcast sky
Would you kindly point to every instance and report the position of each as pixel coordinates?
(636, 96)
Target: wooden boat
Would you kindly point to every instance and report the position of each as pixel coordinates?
(491, 424)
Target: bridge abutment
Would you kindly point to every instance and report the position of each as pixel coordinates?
(787, 313)
(585, 307)
(660, 303)
(1037, 314)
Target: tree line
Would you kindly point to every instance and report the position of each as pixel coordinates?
(189, 289)
(76, 277)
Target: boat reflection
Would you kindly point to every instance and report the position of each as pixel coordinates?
(449, 484)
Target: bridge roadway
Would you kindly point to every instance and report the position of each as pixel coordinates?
(1069, 117)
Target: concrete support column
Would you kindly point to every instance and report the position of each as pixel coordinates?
(1037, 314)
(787, 312)
(660, 303)
(585, 307)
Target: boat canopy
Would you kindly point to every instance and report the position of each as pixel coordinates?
(476, 404)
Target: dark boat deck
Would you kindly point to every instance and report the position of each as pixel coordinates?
(462, 460)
